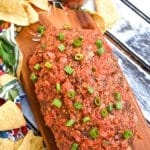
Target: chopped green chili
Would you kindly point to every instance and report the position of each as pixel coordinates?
(78, 56)
(37, 66)
(97, 101)
(41, 29)
(86, 119)
(57, 102)
(61, 47)
(77, 43)
(78, 105)
(90, 90)
(99, 43)
(33, 77)
(69, 70)
(118, 96)
(74, 146)
(48, 65)
(104, 112)
(110, 108)
(71, 94)
(118, 105)
(70, 122)
(100, 51)
(61, 36)
(58, 87)
(94, 133)
(127, 134)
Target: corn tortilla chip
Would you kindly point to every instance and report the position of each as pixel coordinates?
(12, 11)
(11, 117)
(105, 10)
(6, 144)
(32, 14)
(17, 144)
(42, 4)
(5, 78)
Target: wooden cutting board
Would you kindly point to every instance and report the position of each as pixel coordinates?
(58, 18)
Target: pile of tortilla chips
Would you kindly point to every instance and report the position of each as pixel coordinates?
(21, 12)
(106, 15)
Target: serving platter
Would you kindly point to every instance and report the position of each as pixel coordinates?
(58, 18)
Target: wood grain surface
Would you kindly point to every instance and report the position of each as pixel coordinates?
(58, 18)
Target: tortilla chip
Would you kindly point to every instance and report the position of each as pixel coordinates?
(32, 14)
(6, 144)
(12, 11)
(11, 117)
(106, 14)
(17, 144)
(31, 142)
(42, 4)
(5, 78)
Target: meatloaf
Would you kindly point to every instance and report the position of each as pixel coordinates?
(83, 95)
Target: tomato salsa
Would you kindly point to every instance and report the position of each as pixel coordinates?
(83, 95)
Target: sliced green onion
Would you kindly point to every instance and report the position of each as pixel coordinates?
(69, 70)
(99, 43)
(97, 101)
(77, 43)
(118, 105)
(118, 96)
(127, 134)
(57, 102)
(90, 90)
(94, 133)
(104, 112)
(71, 94)
(78, 56)
(33, 77)
(41, 29)
(110, 108)
(86, 119)
(61, 36)
(100, 51)
(78, 105)
(58, 87)
(43, 46)
(81, 37)
(61, 47)
(37, 66)
(70, 122)
(48, 65)
(74, 146)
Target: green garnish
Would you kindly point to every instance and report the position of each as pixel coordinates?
(118, 96)
(78, 105)
(81, 37)
(58, 87)
(118, 105)
(61, 47)
(104, 112)
(70, 122)
(74, 146)
(94, 133)
(71, 94)
(43, 46)
(77, 43)
(100, 51)
(78, 56)
(86, 119)
(97, 101)
(57, 102)
(37, 66)
(69, 70)
(48, 65)
(61, 36)
(110, 108)
(90, 90)
(33, 77)
(127, 134)
(41, 29)
(99, 43)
